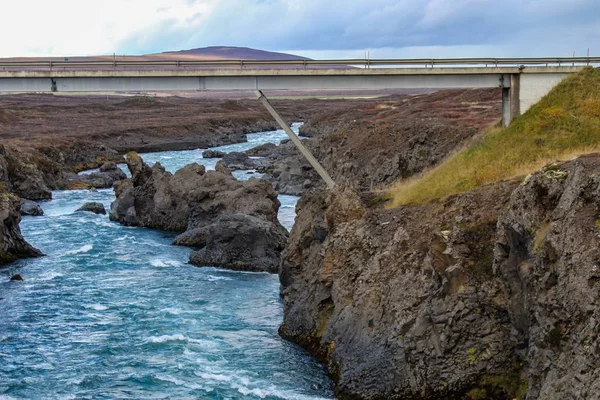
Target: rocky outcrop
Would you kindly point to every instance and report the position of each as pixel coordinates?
(33, 173)
(12, 244)
(106, 177)
(207, 208)
(213, 154)
(262, 150)
(24, 175)
(237, 241)
(30, 208)
(370, 146)
(489, 294)
(548, 254)
(93, 207)
(397, 303)
(288, 171)
(240, 161)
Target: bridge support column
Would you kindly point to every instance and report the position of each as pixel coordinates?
(295, 139)
(511, 100)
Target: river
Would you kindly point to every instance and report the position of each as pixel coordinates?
(116, 312)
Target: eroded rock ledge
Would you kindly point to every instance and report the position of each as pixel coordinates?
(489, 294)
(12, 244)
(234, 223)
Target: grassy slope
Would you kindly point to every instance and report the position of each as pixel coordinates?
(565, 123)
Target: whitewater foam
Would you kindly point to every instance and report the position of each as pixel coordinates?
(83, 249)
(164, 263)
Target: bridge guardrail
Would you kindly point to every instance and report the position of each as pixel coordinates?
(366, 63)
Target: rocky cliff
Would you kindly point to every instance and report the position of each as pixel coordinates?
(12, 244)
(233, 223)
(489, 294)
(373, 144)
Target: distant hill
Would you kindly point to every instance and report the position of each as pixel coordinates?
(203, 53)
(232, 53)
(199, 54)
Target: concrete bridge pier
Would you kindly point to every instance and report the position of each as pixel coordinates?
(511, 100)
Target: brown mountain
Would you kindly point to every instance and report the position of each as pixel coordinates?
(232, 53)
(204, 53)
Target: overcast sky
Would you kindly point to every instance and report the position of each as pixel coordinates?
(314, 28)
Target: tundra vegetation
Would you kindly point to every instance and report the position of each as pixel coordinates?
(564, 124)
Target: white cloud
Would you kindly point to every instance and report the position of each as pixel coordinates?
(400, 28)
(77, 27)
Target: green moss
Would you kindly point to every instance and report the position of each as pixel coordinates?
(472, 357)
(510, 386)
(384, 198)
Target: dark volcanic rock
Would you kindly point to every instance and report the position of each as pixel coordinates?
(402, 303)
(289, 172)
(108, 174)
(25, 178)
(213, 210)
(237, 241)
(16, 277)
(262, 151)
(213, 154)
(93, 207)
(241, 161)
(31, 208)
(12, 244)
(489, 294)
(220, 167)
(548, 253)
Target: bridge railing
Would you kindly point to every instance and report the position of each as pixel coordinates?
(365, 63)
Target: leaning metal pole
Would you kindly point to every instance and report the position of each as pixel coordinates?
(305, 152)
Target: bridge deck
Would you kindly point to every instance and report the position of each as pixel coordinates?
(68, 80)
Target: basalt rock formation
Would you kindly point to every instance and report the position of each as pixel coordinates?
(33, 173)
(490, 294)
(93, 207)
(12, 244)
(106, 177)
(30, 208)
(234, 223)
(547, 254)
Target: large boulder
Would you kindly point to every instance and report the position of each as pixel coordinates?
(234, 222)
(213, 154)
(236, 241)
(12, 244)
(262, 150)
(93, 207)
(31, 208)
(288, 171)
(241, 161)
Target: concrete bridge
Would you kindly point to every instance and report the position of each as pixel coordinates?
(524, 81)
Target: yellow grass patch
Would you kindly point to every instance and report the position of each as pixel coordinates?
(564, 124)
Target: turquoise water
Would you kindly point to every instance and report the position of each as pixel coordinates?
(115, 312)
